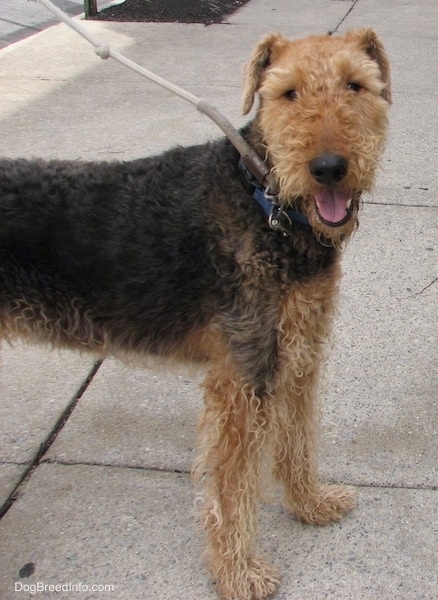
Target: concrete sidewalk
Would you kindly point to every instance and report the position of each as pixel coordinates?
(110, 502)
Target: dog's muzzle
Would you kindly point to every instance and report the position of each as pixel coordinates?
(334, 206)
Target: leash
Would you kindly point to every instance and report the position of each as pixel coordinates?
(250, 158)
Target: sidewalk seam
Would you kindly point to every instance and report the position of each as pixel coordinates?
(85, 463)
(45, 445)
(347, 14)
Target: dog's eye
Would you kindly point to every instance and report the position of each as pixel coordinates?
(354, 86)
(291, 95)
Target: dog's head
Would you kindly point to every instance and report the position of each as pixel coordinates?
(321, 121)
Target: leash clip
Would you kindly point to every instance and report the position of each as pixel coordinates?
(279, 220)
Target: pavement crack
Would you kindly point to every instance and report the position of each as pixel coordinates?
(395, 205)
(45, 445)
(354, 2)
(91, 463)
(426, 287)
(395, 486)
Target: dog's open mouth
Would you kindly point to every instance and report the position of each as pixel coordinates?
(334, 207)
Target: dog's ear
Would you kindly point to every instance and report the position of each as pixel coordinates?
(261, 58)
(369, 41)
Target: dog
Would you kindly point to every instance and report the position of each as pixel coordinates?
(188, 255)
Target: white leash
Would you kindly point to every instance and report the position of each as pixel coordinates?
(251, 159)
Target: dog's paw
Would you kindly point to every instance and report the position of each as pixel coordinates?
(263, 579)
(329, 503)
(255, 580)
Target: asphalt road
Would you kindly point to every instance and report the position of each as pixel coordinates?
(21, 18)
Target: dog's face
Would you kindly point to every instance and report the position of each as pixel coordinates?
(323, 120)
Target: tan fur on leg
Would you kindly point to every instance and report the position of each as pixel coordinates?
(305, 332)
(233, 430)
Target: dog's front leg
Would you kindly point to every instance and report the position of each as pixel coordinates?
(304, 332)
(233, 429)
(296, 459)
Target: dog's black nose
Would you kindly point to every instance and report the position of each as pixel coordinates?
(328, 169)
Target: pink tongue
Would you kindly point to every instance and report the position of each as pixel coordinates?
(332, 205)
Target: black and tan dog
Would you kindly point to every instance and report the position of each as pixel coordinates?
(183, 255)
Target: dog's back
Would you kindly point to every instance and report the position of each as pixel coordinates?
(94, 251)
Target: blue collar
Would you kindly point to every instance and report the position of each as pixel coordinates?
(279, 219)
